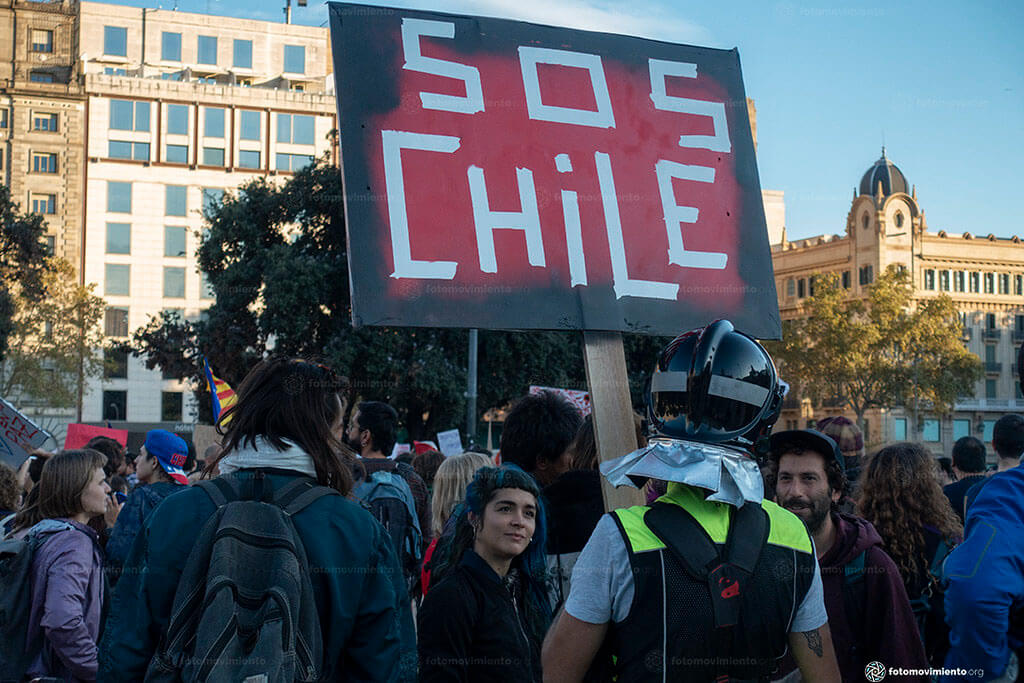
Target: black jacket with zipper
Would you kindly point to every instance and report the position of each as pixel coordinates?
(472, 628)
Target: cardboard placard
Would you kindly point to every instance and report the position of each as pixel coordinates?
(500, 174)
(18, 435)
(450, 442)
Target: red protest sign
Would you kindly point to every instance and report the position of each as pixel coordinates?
(79, 434)
(504, 174)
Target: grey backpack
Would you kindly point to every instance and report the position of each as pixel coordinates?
(244, 607)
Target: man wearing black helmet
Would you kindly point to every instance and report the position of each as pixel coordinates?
(711, 582)
(869, 613)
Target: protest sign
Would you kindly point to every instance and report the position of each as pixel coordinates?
(79, 435)
(580, 399)
(449, 442)
(500, 174)
(18, 435)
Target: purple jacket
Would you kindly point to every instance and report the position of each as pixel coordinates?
(67, 598)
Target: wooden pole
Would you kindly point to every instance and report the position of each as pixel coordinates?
(612, 409)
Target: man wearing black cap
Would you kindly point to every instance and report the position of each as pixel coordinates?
(867, 605)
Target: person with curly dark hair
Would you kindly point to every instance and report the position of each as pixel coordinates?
(426, 465)
(900, 496)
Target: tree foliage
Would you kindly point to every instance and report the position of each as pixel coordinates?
(275, 256)
(881, 351)
(23, 262)
(55, 341)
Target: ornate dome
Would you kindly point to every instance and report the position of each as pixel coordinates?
(885, 172)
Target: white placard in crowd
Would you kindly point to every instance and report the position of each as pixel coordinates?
(450, 442)
(399, 449)
(18, 435)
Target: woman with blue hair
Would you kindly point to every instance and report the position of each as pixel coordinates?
(485, 617)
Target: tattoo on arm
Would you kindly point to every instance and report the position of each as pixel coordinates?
(813, 639)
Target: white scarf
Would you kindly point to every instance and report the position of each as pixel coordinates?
(262, 453)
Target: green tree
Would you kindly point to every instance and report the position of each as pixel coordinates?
(54, 341)
(275, 256)
(23, 261)
(881, 351)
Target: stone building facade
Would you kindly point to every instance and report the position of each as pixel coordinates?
(983, 274)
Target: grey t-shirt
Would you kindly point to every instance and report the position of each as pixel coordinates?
(602, 583)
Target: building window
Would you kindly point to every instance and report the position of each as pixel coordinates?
(115, 322)
(990, 321)
(990, 389)
(213, 123)
(294, 59)
(175, 200)
(44, 203)
(45, 122)
(865, 221)
(205, 288)
(128, 115)
(119, 238)
(293, 162)
(944, 280)
(212, 198)
(206, 49)
(867, 276)
(177, 119)
(899, 219)
(170, 406)
(1018, 285)
(115, 364)
(248, 159)
(801, 288)
(41, 77)
(117, 279)
(115, 405)
(213, 156)
(250, 125)
(974, 280)
(899, 429)
(295, 128)
(929, 279)
(990, 283)
(4, 114)
(111, 71)
(177, 154)
(930, 430)
(44, 162)
(961, 428)
(174, 240)
(242, 54)
(791, 287)
(1004, 283)
(958, 281)
(174, 282)
(115, 41)
(170, 47)
(990, 353)
(120, 149)
(846, 279)
(119, 197)
(42, 40)
(810, 285)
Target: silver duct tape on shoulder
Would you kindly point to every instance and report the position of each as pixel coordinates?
(730, 474)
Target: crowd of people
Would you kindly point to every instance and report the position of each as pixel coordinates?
(297, 549)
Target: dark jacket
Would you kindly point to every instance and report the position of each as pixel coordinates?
(574, 506)
(360, 592)
(141, 502)
(472, 628)
(67, 602)
(887, 631)
(957, 491)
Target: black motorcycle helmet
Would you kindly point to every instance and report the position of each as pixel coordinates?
(714, 385)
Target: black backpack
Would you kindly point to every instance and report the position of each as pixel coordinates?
(389, 499)
(244, 608)
(17, 651)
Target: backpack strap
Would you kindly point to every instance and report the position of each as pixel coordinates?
(220, 491)
(678, 529)
(743, 550)
(299, 494)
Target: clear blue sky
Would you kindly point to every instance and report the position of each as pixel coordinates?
(941, 82)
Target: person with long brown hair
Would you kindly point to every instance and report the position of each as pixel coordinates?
(67, 568)
(901, 497)
(286, 426)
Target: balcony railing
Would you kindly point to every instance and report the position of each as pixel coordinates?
(1018, 336)
(991, 333)
(992, 367)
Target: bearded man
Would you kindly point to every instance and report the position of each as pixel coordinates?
(868, 609)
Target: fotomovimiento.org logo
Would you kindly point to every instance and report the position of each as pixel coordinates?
(874, 672)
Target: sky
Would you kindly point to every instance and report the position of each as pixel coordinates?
(939, 83)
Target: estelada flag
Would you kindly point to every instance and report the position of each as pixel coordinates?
(221, 393)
